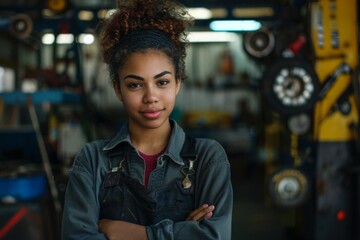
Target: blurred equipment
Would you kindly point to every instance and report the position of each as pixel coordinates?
(312, 126)
(335, 44)
(22, 221)
(290, 86)
(45, 159)
(22, 144)
(21, 183)
(343, 68)
(207, 119)
(356, 84)
(21, 25)
(57, 6)
(289, 187)
(260, 43)
(299, 124)
(295, 47)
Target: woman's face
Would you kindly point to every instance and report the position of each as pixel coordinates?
(148, 89)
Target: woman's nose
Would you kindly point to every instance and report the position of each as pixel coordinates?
(150, 95)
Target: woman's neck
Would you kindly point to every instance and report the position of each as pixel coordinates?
(150, 141)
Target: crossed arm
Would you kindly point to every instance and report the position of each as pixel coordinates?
(115, 229)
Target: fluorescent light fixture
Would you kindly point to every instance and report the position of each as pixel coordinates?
(48, 39)
(86, 38)
(252, 12)
(212, 37)
(235, 25)
(200, 13)
(205, 13)
(66, 38)
(219, 12)
(85, 15)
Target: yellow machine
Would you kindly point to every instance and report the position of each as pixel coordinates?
(335, 42)
(315, 106)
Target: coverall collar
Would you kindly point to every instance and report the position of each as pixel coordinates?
(174, 147)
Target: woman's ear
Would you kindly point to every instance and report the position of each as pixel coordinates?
(116, 87)
(178, 86)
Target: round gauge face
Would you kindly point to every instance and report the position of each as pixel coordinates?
(299, 124)
(21, 25)
(260, 43)
(290, 86)
(289, 187)
(293, 87)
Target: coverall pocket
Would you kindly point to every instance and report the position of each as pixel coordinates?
(173, 202)
(124, 199)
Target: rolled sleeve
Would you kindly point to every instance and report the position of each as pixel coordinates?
(81, 210)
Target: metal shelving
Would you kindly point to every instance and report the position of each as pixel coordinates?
(28, 137)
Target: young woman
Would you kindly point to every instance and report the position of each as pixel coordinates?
(151, 181)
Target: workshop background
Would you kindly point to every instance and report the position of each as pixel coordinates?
(276, 82)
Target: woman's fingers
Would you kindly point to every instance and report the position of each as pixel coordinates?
(204, 211)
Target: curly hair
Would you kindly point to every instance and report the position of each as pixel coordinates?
(166, 16)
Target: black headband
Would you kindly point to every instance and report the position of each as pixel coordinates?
(141, 40)
(145, 39)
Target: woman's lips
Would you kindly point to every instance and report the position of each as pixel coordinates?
(151, 114)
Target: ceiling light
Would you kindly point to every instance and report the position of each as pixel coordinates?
(85, 15)
(48, 38)
(86, 38)
(254, 12)
(219, 12)
(200, 13)
(235, 25)
(212, 37)
(66, 38)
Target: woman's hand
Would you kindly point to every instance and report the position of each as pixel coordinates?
(114, 229)
(205, 211)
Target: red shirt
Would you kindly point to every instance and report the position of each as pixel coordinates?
(150, 164)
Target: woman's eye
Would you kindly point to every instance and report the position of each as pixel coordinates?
(133, 85)
(163, 83)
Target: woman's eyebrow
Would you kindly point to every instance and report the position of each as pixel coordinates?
(162, 74)
(141, 78)
(133, 76)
